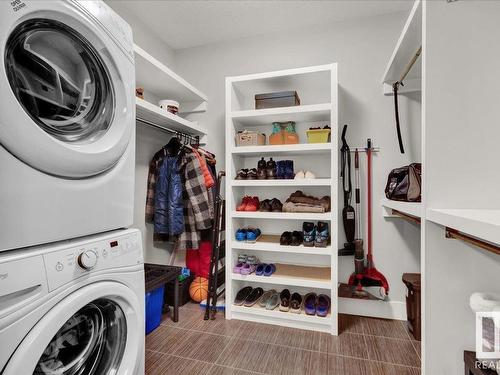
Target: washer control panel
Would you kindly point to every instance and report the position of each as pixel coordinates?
(69, 263)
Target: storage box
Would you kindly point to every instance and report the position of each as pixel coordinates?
(154, 307)
(250, 139)
(318, 135)
(277, 99)
(183, 292)
(413, 303)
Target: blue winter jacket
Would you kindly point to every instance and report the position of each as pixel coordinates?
(169, 208)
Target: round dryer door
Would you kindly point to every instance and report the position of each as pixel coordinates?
(72, 115)
(103, 336)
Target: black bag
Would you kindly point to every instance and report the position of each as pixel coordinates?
(405, 184)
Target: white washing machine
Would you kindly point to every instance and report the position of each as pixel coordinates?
(76, 307)
(67, 120)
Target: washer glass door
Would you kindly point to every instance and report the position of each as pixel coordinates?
(91, 342)
(60, 80)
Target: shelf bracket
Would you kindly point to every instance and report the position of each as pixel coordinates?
(455, 234)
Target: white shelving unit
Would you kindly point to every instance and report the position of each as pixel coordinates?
(159, 82)
(410, 208)
(408, 43)
(317, 88)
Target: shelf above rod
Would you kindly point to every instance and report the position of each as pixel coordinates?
(455, 234)
(407, 217)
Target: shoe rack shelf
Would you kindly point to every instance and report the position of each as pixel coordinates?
(299, 268)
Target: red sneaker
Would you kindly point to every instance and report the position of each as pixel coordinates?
(244, 202)
(253, 204)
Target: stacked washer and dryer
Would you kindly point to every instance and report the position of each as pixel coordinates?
(71, 299)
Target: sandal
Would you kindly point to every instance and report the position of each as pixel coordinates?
(273, 301)
(266, 297)
(242, 295)
(253, 297)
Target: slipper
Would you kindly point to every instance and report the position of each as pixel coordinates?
(266, 297)
(242, 295)
(254, 297)
(323, 305)
(310, 302)
(296, 303)
(269, 269)
(285, 300)
(247, 269)
(238, 267)
(259, 271)
(273, 301)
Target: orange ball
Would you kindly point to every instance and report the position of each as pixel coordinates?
(198, 290)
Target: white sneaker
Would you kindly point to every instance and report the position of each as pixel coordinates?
(309, 175)
(299, 175)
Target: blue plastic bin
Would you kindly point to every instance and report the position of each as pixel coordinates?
(154, 305)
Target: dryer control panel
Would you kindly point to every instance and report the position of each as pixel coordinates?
(83, 259)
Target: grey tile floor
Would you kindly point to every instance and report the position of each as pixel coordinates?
(224, 347)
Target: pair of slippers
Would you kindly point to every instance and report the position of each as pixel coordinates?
(264, 269)
(270, 300)
(317, 304)
(294, 238)
(248, 296)
(300, 175)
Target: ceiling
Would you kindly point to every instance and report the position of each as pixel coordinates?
(184, 24)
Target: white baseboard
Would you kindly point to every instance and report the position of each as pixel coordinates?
(378, 309)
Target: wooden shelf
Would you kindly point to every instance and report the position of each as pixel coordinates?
(292, 275)
(480, 223)
(409, 42)
(297, 149)
(271, 243)
(325, 216)
(164, 83)
(301, 113)
(410, 208)
(280, 182)
(165, 119)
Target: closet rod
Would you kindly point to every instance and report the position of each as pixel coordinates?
(453, 233)
(410, 64)
(168, 130)
(405, 216)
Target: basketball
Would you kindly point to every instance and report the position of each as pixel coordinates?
(198, 290)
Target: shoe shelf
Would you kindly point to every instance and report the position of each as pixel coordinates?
(302, 317)
(271, 243)
(258, 117)
(281, 182)
(299, 268)
(293, 275)
(282, 150)
(324, 216)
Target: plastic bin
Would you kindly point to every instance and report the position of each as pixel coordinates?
(183, 292)
(318, 135)
(154, 306)
(413, 303)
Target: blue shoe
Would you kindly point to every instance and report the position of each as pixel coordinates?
(259, 271)
(253, 234)
(241, 235)
(269, 269)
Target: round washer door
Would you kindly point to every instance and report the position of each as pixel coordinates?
(96, 330)
(67, 109)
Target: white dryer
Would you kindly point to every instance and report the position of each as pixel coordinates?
(76, 307)
(67, 120)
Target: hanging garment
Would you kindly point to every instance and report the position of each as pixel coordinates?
(168, 203)
(198, 260)
(198, 213)
(209, 181)
(152, 175)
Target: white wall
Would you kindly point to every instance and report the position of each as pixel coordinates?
(148, 140)
(362, 49)
(461, 168)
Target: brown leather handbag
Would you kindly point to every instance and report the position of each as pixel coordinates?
(405, 183)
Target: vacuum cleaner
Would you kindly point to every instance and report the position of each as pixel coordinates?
(348, 213)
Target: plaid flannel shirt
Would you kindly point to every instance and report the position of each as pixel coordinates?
(198, 210)
(150, 193)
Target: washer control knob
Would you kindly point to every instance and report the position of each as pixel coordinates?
(87, 260)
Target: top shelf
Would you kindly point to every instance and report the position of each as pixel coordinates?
(309, 113)
(409, 42)
(155, 77)
(483, 224)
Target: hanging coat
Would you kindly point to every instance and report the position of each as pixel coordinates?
(169, 208)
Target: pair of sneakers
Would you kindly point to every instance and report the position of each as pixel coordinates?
(248, 234)
(249, 204)
(246, 264)
(316, 235)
